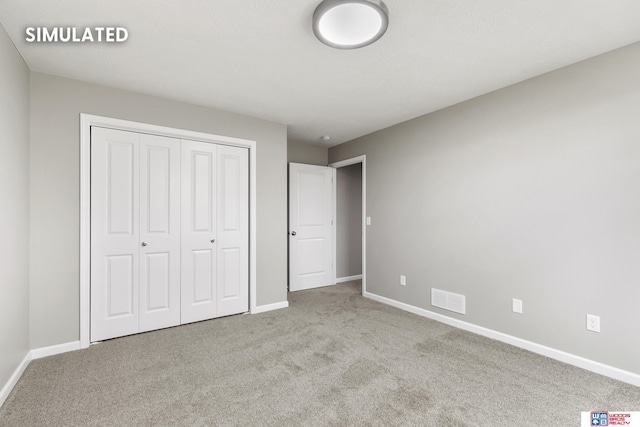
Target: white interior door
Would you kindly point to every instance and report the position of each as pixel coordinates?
(199, 261)
(159, 232)
(135, 233)
(115, 233)
(310, 226)
(215, 231)
(233, 230)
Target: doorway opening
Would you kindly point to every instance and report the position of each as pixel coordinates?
(350, 218)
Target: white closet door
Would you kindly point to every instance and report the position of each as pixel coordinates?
(159, 232)
(169, 232)
(198, 272)
(233, 230)
(114, 233)
(215, 231)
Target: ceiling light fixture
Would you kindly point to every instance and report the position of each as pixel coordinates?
(350, 24)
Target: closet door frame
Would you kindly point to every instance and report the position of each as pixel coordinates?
(88, 120)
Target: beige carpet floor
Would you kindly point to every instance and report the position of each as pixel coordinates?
(333, 358)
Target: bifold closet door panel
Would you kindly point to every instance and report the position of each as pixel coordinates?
(115, 233)
(135, 233)
(199, 269)
(215, 231)
(159, 232)
(233, 230)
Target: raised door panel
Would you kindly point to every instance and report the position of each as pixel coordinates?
(203, 280)
(114, 233)
(311, 198)
(120, 279)
(159, 232)
(311, 256)
(233, 230)
(198, 247)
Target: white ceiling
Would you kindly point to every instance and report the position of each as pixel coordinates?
(260, 57)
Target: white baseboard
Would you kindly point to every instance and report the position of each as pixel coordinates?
(349, 278)
(36, 353)
(571, 359)
(269, 307)
(6, 390)
(39, 353)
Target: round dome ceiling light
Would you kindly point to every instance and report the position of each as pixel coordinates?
(350, 24)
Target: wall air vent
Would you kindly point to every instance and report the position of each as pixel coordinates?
(448, 301)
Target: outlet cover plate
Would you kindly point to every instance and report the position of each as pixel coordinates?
(517, 306)
(593, 323)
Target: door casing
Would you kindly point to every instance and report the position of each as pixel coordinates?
(352, 161)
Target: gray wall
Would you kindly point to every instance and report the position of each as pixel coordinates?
(56, 104)
(349, 221)
(529, 192)
(14, 208)
(299, 152)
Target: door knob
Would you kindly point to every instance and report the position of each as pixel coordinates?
(144, 243)
(293, 233)
(213, 240)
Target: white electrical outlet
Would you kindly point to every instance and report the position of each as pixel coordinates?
(368, 220)
(517, 306)
(403, 280)
(593, 323)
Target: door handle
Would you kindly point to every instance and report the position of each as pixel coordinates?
(144, 243)
(213, 240)
(293, 233)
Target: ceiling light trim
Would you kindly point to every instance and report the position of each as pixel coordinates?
(328, 5)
